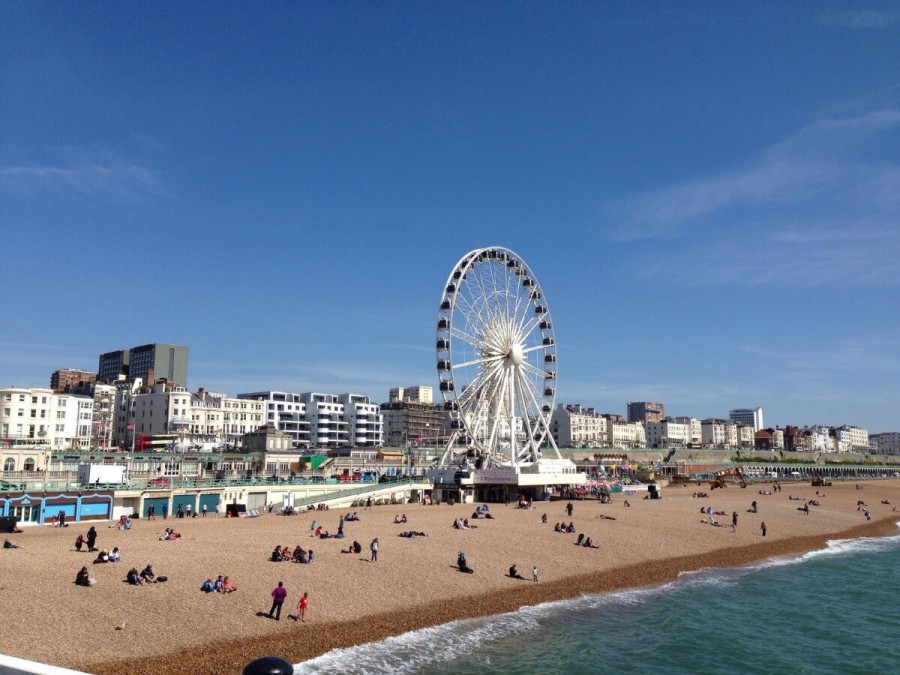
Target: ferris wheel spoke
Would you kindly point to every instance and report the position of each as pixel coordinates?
(465, 337)
(525, 330)
(489, 359)
(534, 370)
(525, 416)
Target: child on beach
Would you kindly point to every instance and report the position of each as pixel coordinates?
(534, 573)
(301, 606)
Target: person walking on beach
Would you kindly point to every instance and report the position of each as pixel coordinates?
(218, 508)
(368, 504)
(569, 509)
(302, 605)
(534, 573)
(165, 510)
(374, 548)
(734, 520)
(92, 539)
(279, 594)
(762, 528)
(312, 529)
(203, 508)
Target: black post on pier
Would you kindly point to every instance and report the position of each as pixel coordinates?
(268, 665)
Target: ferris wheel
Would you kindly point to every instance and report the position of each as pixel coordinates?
(496, 362)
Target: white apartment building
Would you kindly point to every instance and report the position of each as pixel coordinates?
(41, 416)
(696, 427)
(206, 419)
(626, 434)
(364, 420)
(887, 443)
(859, 439)
(414, 394)
(820, 438)
(573, 426)
(667, 434)
(751, 416)
(319, 420)
(104, 415)
(744, 435)
(719, 433)
(284, 411)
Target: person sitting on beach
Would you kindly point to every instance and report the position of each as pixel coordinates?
(309, 557)
(514, 572)
(148, 575)
(627, 503)
(114, 555)
(571, 528)
(466, 525)
(8, 544)
(79, 542)
(352, 516)
(207, 586)
(217, 584)
(397, 520)
(457, 524)
(463, 564)
(403, 518)
(885, 501)
(318, 531)
(227, 586)
(134, 578)
(544, 519)
(303, 557)
(102, 557)
(323, 534)
(412, 534)
(83, 578)
(352, 548)
(590, 543)
(276, 554)
(752, 508)
(580, 539)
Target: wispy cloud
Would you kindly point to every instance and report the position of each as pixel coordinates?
(85, 173)
(820, 207)
(860, 18)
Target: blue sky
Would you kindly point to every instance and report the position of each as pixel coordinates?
(709, 192)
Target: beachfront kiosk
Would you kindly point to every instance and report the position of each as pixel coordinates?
(496, 366)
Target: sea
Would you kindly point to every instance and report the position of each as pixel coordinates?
(834, 610)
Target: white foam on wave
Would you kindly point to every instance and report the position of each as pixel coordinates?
(415, 650)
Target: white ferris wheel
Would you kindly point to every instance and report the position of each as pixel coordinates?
(496, 362)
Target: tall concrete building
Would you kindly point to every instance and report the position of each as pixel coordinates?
(415, 394)
(150, 362)
(646, 411)
(112, 364)
(751, 416)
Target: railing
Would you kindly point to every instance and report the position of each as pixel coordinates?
(354, 491)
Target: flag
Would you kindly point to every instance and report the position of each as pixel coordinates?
(129, 427)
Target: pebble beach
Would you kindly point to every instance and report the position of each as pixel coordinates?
(172, 627)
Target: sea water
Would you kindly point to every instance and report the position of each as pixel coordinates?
(828, 611)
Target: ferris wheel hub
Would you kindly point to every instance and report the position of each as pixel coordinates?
(516, 354)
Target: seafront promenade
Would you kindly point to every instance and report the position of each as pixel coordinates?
(173, 627)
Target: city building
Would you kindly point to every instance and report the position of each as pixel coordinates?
(285, 412)
(414, 394)
(696, 427)
(887, 443)
(646, 411)
(574, 426)
(718, 433)
(66, 379)
(43, 417)
(149, 362)
(408, 423)
(364, 420)
(668, 434)
(621, 434)
(112, 365)
(850, 438)
(751, 416)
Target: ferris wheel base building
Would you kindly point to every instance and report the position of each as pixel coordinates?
(497, 484)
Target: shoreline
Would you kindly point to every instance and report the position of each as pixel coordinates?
(313, 639)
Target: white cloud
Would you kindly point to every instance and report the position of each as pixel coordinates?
(821, 207)
(861, 18)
